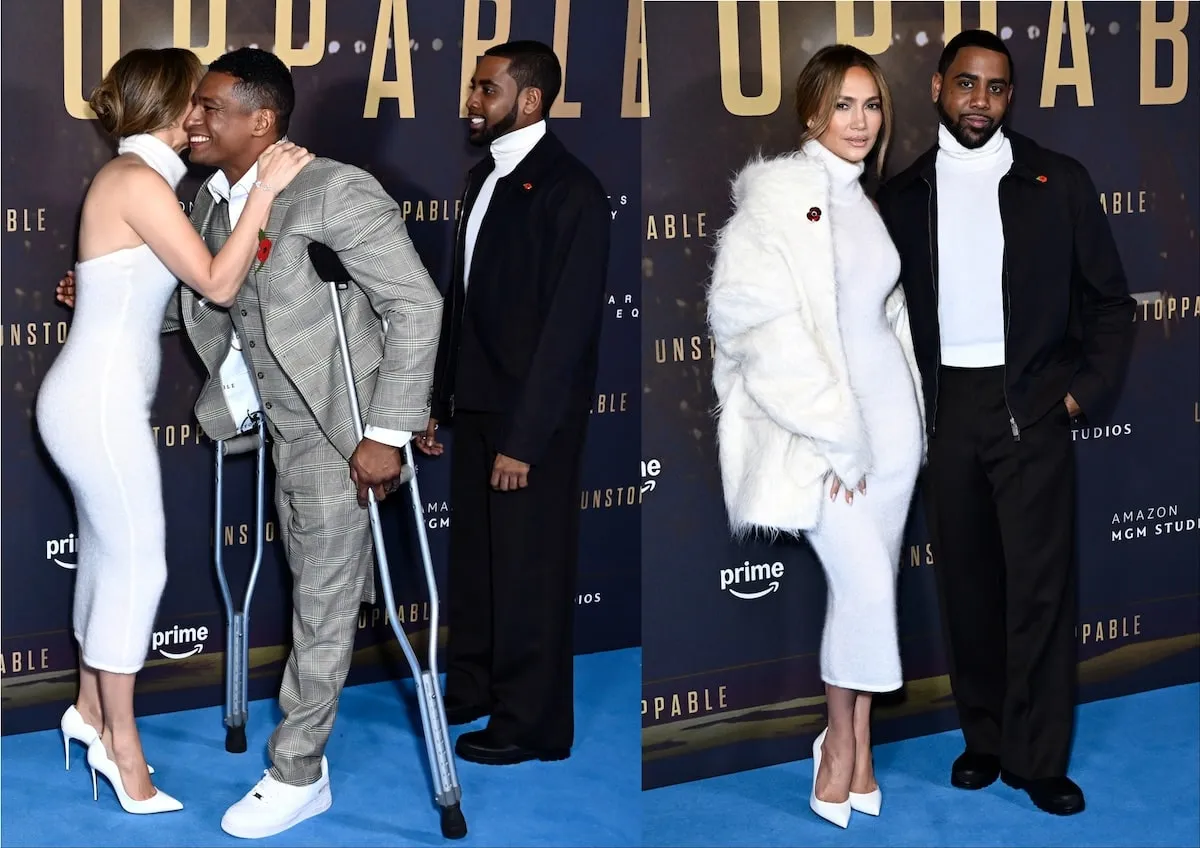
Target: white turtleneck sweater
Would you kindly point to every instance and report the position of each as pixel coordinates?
(971, 250)
(508, 151)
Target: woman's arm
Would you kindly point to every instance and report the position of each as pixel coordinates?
(152, 210)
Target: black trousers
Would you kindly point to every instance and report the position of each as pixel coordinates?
(1002, 518)
(512, 584)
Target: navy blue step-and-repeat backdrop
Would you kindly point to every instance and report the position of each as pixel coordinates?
(731, 678)
(379, 84)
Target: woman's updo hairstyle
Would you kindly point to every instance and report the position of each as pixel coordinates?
(146, 91)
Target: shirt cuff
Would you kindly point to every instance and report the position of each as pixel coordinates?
(395, 438)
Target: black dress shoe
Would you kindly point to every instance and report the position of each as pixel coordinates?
(479, 746)
(1057, 795)
(974, 771)
(460, 713)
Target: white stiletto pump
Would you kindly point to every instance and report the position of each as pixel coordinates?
(867, 802)
(75, 729)
(159, 802)
(838, 813)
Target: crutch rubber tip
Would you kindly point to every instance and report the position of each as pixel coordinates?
(235, 739)
(454, 825)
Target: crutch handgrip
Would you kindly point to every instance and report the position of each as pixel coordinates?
(244, 443)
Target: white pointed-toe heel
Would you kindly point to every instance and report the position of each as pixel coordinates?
(836, 812)
(76, 729)
(867, 802)
(98, 760)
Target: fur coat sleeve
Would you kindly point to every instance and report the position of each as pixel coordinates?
(772, 313)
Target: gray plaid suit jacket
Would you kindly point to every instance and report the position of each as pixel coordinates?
(345, 208)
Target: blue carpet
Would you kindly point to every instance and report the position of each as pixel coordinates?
(378, 774)
(1137, 759)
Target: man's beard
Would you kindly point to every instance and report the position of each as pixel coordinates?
(489, 134)
(966, 135)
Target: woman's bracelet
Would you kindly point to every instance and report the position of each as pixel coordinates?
(263, 186)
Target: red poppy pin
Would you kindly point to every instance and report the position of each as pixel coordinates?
(527, 186)
(814, 214)
(1041, 178)
(264, 251)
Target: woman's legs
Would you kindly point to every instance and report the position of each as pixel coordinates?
(88, 702)
(120, 735)
(864, 767)
(838, 750)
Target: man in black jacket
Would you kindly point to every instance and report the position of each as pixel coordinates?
(516, 370)
(1021, 321)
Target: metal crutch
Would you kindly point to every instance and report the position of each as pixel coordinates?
(448, 793)
(237, 621)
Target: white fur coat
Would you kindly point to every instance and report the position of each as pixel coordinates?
(786, 415)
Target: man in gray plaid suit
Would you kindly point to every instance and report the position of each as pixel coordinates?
(284, 325)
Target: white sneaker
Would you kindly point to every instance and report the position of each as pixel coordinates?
(272, 807)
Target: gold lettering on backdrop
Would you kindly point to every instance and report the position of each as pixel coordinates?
(474, 45)
(23, 662)
(685, 348)
(1163, 308)
(1079, 74)
(1154, 31)
(393, 23)
(240, 534)
(674, 226)
(610, 498)
(690, 702)
(611, 402)
(881, 35)
(25, 220)
(1123, 202)
(953, 16)
(430, 210)
(1110, 630)
(33, 334)
(636, 76)
(736, 101)
(218, 27)
(176, 435)
(405, 614)
(563, 108)
(306, 56)
(919, 555)
(110, 50)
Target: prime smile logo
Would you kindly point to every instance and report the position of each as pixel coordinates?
(748, 576)
(185, 641)
(56, 548)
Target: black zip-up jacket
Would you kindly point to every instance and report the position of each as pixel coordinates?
(523, 340)
(1068, 316)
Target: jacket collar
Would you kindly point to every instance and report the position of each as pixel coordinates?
(541, 158)
(1028, 162)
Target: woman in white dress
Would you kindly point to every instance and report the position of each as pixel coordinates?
(93, 408)
(819, 419)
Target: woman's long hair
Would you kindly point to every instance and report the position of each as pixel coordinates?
(820, 84)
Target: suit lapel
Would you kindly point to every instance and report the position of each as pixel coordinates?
(265, 260)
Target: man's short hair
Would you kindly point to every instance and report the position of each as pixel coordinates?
(264, 82)
(533, 65)
(975, 38)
